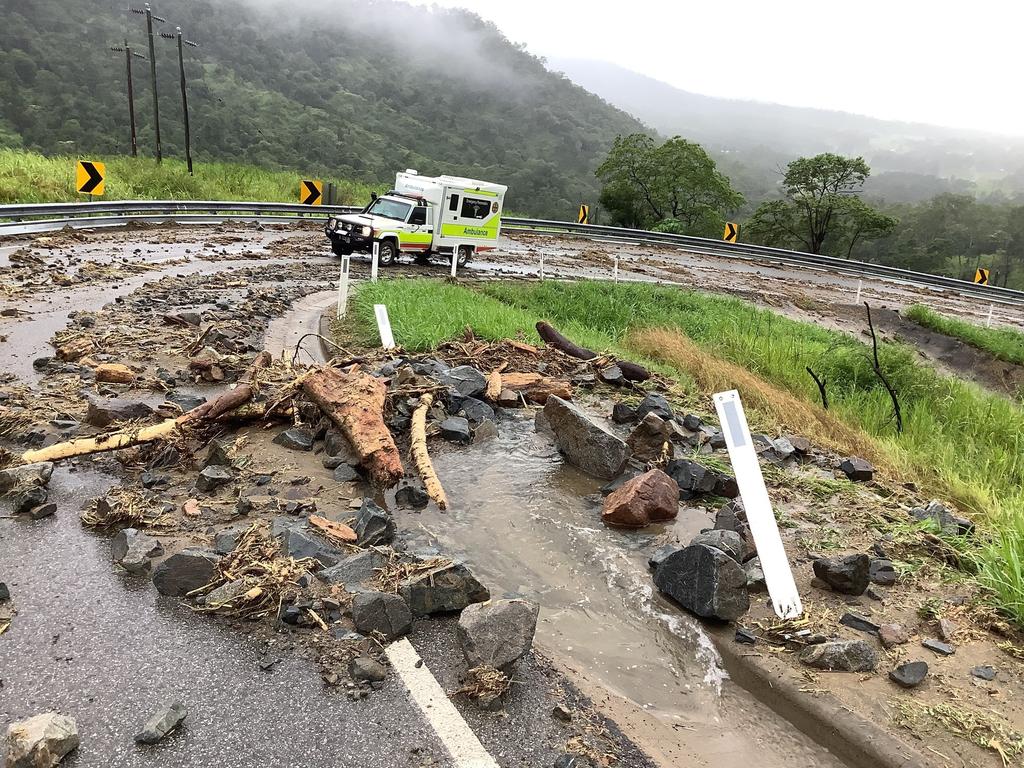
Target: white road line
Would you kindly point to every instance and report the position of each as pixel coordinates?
(457, 737)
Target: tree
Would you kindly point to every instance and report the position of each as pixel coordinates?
(820, 208)
(646, 183)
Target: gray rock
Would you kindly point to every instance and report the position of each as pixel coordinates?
(623, 414)
(456, 429)
(161, 723)
(755, 575)
(282, 524)
(691, 422)
(374, 525)
(658, 556)
(381, 612)
(185, 571)
(729, 542)
(857, 469)
(213, 477)
(783, 448)
(354, 568)
(909, 675)
(43, 510)
(29, 498)
(695, 479)
(300, 544)
(654, 403)
(571, 760)
(102, 412)
(346, 473)
(585, 444)
(612, 375)
(706, 581)
(41, 741)
(297, 439)
(486, 430)
(224, 542)
(5, 592)
(476, 411)
(217, 454)
(444, 589)
(25, 475)
(185, 401)
(411, 496)
(848, 575)
(939, 647)
(841, 656)
(465, 379)
(882, 571)
(336, 444)
(363, 669)
(134, 550)
(497, 633)
(984, 672)
(648, 438)
(859, 622)
(946, 521)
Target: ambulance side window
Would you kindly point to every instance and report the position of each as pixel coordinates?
(419, 215)
(475, 209)
(453, 205)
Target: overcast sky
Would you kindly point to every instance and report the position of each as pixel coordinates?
(950, 63)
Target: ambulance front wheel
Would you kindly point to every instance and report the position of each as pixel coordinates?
(387, 253)
(465, 254)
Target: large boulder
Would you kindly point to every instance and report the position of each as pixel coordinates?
(729, 542)
(706, 581)
(647, 498)
(41, 741)
(374, 525)
(185, 571)
(381, 612)
(102, 412)
(444, 589)
(584, 443)
(133, 550)
(497, 633)
(841, 656)
(25, 475)
(161, 723)
(848, 575)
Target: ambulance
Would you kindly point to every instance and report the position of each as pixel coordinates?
(423, 216)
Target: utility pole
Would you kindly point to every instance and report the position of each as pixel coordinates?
(128, 55)
(150, 17)
(184, 93)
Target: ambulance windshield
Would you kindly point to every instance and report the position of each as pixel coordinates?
(390, 209)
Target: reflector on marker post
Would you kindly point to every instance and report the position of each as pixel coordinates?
(778, 576)
(373, 261)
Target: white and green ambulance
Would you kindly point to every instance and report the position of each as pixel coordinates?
(424, 216)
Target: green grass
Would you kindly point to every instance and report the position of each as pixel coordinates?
(27, 177)
(960, 442)
(1002, 343)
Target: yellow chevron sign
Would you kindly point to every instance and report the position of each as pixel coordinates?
(311, 192)
(732, 232)
(90, 177)
(981, 276)
(584, 217)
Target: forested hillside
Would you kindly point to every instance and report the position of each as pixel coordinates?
(349, 88)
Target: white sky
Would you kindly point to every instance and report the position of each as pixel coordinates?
(950, 63)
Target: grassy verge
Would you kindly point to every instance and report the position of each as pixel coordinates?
(27, 177)
(1002, 343)
(959, 441)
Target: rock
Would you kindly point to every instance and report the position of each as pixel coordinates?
(476, 411)
(841, 656)
(485, 431)
(497, 633)
(984, 672)
(213, 477)
(186, 401)
(29, 498)
(5, 592)
(744, 636)
(354, 568)
(336, 444)
(947, 629)
(909, 675)
(658, 556)
(783, 448)
(300, 543)
(102, 412)
(939, 647)
(43, 510)
(623, 414)
(465, 379)
(224, 542)
(848, 574)
(185, 571)
(629, 473)
(946, 521)
(729, 542)
(134, 550)
(161, 723)
(801, 445)
(647, 498)
(297, 439)
(648, 438)
(691, 422)
(706, 581)
(857, 469)
(41, 741)
(892, 635)
(381, 612)
(363, 669)
(571, 760)
(655, 404)
(411, 496)
(25, 475)
(154, 480)
(456, 429)
(559, 712)
(881, 571)
(695, 479)
(755, 575)
(217, 454)
(732, 517)
(509, 398)
(447, 588)
(612, 375)
(585, 444)
(346, 473)
(374, 525)
(859, 622)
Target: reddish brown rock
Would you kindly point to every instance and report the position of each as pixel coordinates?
(647, 498)
(893, 635)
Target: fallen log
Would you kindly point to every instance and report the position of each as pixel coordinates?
(630, 371)
(535, 387)
(420, 457)
(336, 533)
(354, 402)
(493, 385)
(127, 438)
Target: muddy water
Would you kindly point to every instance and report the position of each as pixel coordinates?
(530, 527)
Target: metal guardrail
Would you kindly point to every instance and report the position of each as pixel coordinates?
(41, 217)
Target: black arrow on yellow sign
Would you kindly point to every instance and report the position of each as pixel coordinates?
(89, 177)
(732, 232)
(981, 276)
(311, 192)
(584, 217)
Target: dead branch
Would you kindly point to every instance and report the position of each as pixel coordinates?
(560, 342)
(881, 376)
(420, 457)
(821, 387)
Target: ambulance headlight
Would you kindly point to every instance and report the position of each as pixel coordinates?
(366, 231)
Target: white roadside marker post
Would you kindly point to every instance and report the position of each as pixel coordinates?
(541, 273)
(373, 261)
(860, 284)
(615, 269)
(777, 574)
(343, 286)
(455, 259)
(988, 323)
(387, 340)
